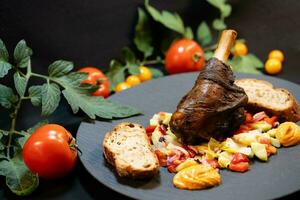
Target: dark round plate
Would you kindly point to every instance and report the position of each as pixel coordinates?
(276, 178)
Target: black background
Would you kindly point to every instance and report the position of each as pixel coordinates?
(91, 32)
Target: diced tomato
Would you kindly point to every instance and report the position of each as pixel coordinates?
(249, 118)
(149, 130)
(264, 140)
(270, 150)
(243, 128)
(271, 120)
(259, 116)
(162, 129)
(172, 168)
(191, 151)
(162, 158)
(213, 163)
(239, 167)
(239, 157)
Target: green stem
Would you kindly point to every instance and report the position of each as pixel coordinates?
(13, 126)
(151, 62)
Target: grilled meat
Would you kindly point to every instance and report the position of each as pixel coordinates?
(213, 108)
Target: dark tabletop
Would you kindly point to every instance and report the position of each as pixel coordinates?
(92, 32)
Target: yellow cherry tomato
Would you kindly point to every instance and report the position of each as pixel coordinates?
(145, 74)
(133, 80)
(273, 66)
(122, 86)
(276, 54)
(240, 49)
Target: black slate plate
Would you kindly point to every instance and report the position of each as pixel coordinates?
(277, 178)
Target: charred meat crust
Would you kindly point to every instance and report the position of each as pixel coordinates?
(212, 108)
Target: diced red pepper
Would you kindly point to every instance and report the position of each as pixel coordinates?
(239, 157)
(270, 149)
(264, 140)
(243, 128)
(239, 167)
(162, 158)
(172, 168)
(149, 130)
(249, 118)
(271, 120)
(213, 163)
(162, 129)
(191, 152)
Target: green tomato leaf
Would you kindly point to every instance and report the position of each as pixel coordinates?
(4, 68)
(22, 54)
(142, 37)
(3, 51)
(59, 68)
(18, 178)
(156, 73)
(20, 83)
(134, 69)
(219, 24)
(4, 132)
(208, 55)
(96, 106)
(50, 98)
(35, 93)
(116, 74)
(21, 140)
(256, 62)
(169, 20)
(26, 134)
(128, 56)
(244, 64)
(7, 96)
(79, 98)
(188, 33)
(204, 35)
(226, 10)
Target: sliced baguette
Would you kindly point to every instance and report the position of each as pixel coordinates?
(127, 148)
(276, 101)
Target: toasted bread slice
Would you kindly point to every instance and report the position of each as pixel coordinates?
(127, 148)
(276, 101)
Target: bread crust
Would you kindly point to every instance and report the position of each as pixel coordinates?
(127, 169)
(291, 112)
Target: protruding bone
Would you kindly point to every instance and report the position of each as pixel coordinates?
(225, 44)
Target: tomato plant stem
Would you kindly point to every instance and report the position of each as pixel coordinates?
(13, 125)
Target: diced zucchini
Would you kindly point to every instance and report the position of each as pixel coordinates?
(275, 142)
(155, 137)
(165, 117)
(231, 146)
(154, 121)
(262, 125)
(272, 132)
(224, 159)
(247, 138)
(259, 151)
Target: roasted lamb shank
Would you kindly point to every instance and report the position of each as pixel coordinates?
(215, 105)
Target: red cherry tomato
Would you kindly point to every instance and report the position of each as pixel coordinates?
(239, 157)
(150, 129)
(184, 55)
(50, 151)
(239, 167)
(96, 77)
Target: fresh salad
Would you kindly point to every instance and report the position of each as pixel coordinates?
(256, 138)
